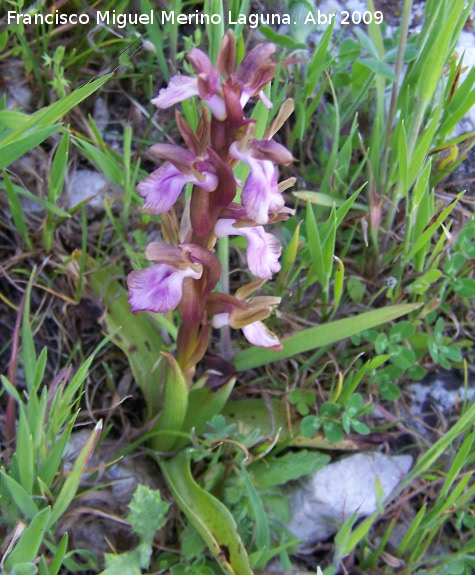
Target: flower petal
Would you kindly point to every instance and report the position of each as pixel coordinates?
(263, 252)
(220, 320)
(263, 249)
(158, 288)
(179, 88)
(258, 334)
(260, 194)
(162, 188)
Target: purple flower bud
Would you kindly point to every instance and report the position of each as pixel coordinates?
(206, 85)
(248, 80)
(255, 72)
(263, 249)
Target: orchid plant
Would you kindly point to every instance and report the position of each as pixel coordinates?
(185, 271)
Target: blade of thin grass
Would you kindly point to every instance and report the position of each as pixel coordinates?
(462, 455)
(156, 35)
(215, 32)
(314, 243)
(59, 556)
(70, 486)
(28, 353)
(53, 460)
(413, 533)
(9, 152)
(238, 9)
(11, 119)
(48, 116)
(427, 460)
(287, 261)
(427, 234)
(16, 210)
(50, 207)
(262, 533)
(25, 452)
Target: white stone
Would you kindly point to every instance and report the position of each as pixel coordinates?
(89, 186)
(342, 488)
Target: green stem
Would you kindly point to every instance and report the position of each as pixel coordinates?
(223, 255)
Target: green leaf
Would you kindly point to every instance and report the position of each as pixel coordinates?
(427, 234)
(355, 289)
(389, 391)
(321, 335)
(24, 569)
(46, 117)
(378, 67)
(11, 152)
(26, 549)
(22, 499)
(333, 432)
(360, 427)
(318, 62)
(354, 404)
(209, 516)
(106, 161)
(281, 39)
(464, 287)
(210, 401)
(136, 335)
(59, 556)
(27, 344)
(41, 124)
(262, 534)
(25, 452)
(52, 462)
(329, 409)
(402, 357)
(147, 515)
(16, 210)
(288, 467)
(59, 169)
(400, 331)
(174, 405)
(127, 563)
(287, 261)
(310, 425)
(315, 245)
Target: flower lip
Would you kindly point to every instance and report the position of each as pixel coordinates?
(162, 188)
(258, 334)
(263, 249)
(158, 288)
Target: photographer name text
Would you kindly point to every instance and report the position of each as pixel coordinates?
(121, 20)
